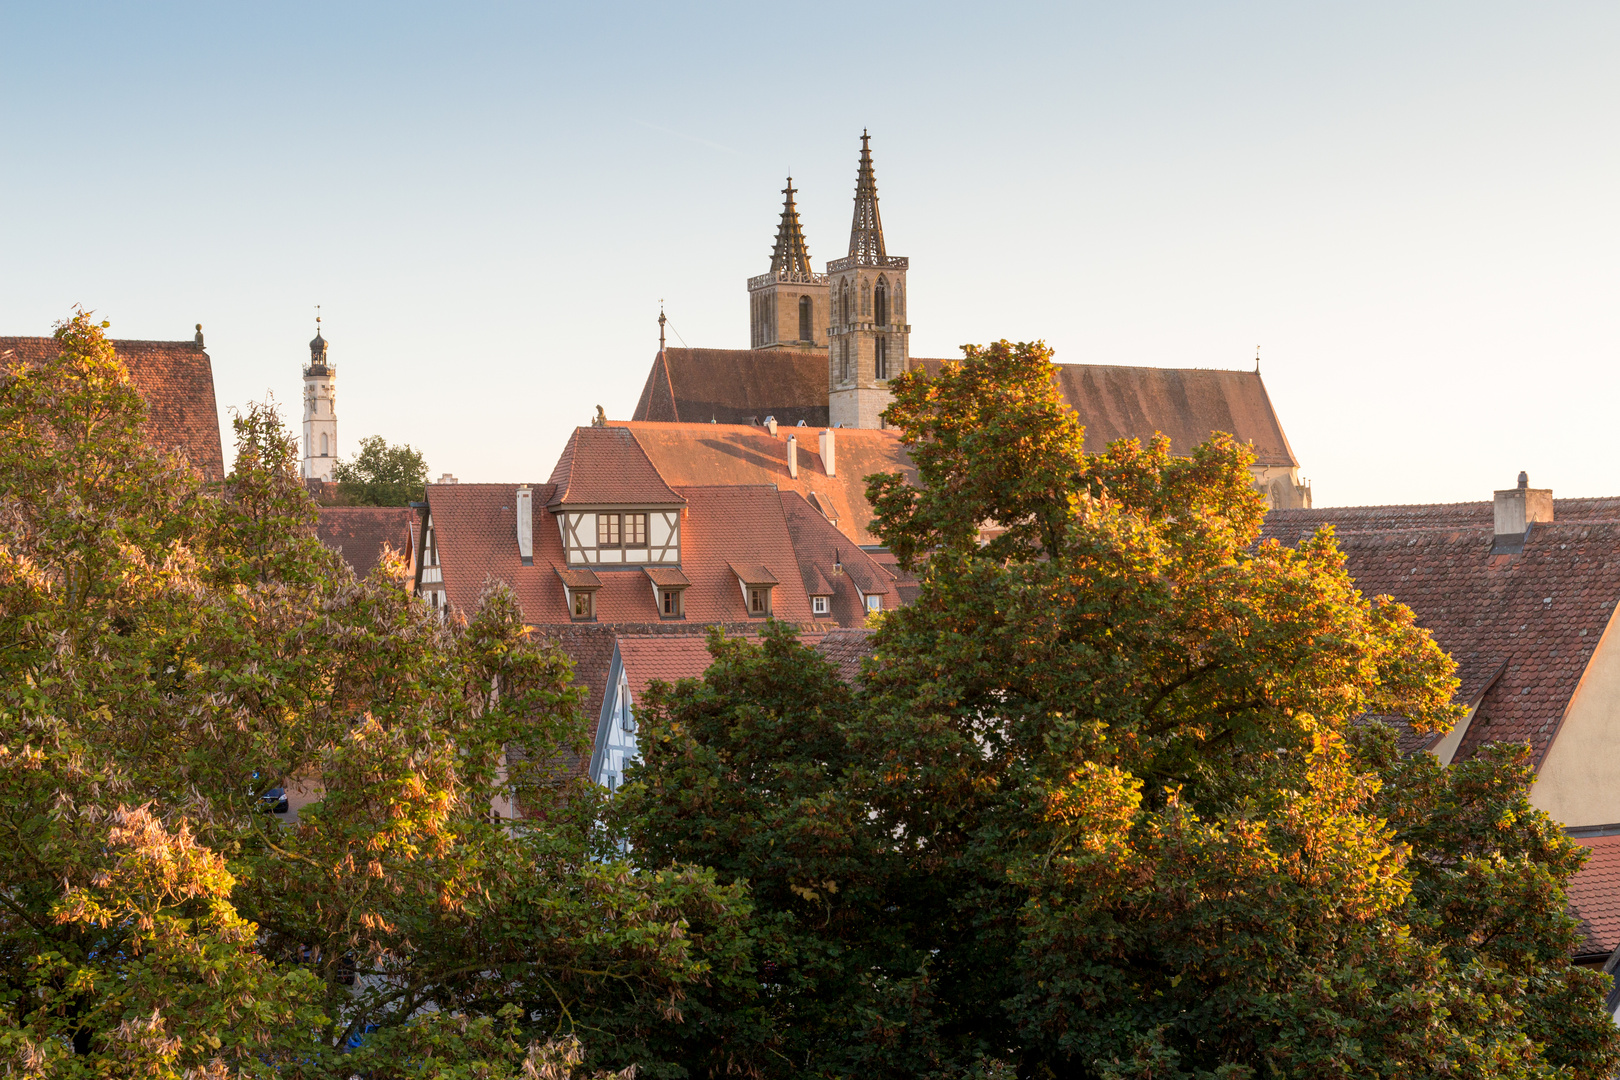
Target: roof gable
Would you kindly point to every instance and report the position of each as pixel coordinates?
(605, 466)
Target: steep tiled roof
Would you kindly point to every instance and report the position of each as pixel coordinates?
(730, 386)
(667, 657)
(358, 533)
(821, 548)
(688, 455)
(176, 381)
(1540, 613)
(1594, 896)
(848, 649)
(605, 466)
(476, 531)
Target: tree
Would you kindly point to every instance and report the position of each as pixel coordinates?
(381, 474)
(169, 656)
(1111, 778)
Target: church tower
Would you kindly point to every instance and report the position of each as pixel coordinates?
(320, 411)
(788, 306)
(868, 340)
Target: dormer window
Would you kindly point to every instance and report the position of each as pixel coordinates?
(611, 536)
(669, 603)
(584, 605)
(874, 603)
(669, 591)
(819, 605)
(757, 582)
(579, 592)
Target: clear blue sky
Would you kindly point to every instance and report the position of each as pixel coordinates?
(1412, 207)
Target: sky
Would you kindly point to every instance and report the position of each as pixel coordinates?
(1411, 209)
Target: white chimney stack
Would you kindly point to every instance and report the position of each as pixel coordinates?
(793, 456)
(829, 453)
(525, 524)
(770, 425)
(1516, 510)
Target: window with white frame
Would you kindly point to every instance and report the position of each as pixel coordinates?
(818, 605)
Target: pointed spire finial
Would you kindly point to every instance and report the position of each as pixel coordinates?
(866, 230)
(791, 253)
(661, 322)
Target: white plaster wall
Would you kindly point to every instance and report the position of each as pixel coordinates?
(1579, 782)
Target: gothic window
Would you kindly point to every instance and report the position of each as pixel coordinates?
(866, 298)
(880, 303)
(843, 348)
(805, 332)
(844, 303)
(882, 357)
(899, 303)
(324, 451)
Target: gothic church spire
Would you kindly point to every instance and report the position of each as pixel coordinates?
(790, 253)
(866, 231)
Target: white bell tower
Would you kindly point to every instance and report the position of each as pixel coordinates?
(320, 411)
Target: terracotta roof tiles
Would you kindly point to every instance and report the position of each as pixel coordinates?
(176, 381)
(730, 386)
(605, 466)
(359, 533)
(1594, 897)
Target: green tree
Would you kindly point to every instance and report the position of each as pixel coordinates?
(169, 656)
(381, 474)
(1110, 777)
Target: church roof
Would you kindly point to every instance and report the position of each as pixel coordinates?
(176, 381)
(1186, 404)
(1520, 627)
(736, 386)
(739, 386)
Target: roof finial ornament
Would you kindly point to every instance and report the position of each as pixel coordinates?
(1257, 359)
(199, 338)
(866, 231)
(661, 322)
(600, 419)
(791, 253)
(1524, 479)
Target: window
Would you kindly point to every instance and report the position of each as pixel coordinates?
(635, 530)
(818, 605)
(880, 303)
(759, 600)
(607, 530)
(805, 331)
(669, 603)
(844, 301)
(583, 609)
(627, 718)
(874, 603)
(843, 348)
(324, 452)
(882, 353)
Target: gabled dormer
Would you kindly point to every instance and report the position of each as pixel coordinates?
(611, 505)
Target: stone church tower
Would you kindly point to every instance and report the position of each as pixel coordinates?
(320, 411)
(788, 306)
(868, 337)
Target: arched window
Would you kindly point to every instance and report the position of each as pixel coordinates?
(843, 348)
(844, 303)
(880, 303)
(866, 298)
(805, 331)
(882, 357)
(323, 445)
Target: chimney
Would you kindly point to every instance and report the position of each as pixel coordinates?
(1517, 509)
(446, 478)
(525, 524)
(793, 456)
(770, 425)
(829, 453)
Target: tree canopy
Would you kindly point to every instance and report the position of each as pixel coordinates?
(1111, 798)
(381, 474)
(444, 904)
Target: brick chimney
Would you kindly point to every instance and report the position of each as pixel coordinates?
(525, 524)
(829, 452)
(793, 456)
(1517, 510)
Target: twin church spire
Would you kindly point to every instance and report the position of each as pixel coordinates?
(855, 311)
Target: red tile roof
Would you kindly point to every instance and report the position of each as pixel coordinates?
(688, 455)
(730, 386)
(1540, 613)
(176, 381)
(822, 549)
(359, 533)
(667, 657)
(848, 649)
(753, 573)
(476, 532)
(605, 466)
(1594, 897)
